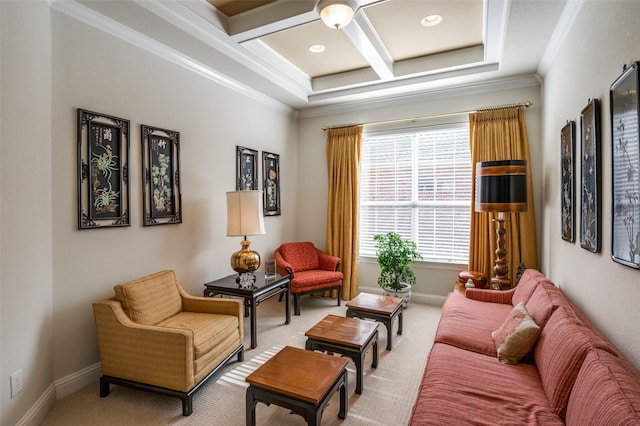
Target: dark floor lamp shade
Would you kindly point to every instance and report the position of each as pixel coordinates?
(501, 186)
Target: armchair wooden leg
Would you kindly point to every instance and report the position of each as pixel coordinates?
(187, 405)
(296, 304)
(104, 387)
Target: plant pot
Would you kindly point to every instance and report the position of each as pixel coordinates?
(404, 293)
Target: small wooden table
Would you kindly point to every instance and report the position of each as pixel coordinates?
(350, 337)
(261, 290)
(377, 307)
(299, 380)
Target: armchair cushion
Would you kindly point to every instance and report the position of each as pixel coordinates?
(301, 256)
(316, 279)
(150, 299)
(208, 329)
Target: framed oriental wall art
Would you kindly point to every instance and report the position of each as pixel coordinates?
(103, 158)
(246, 169)
(625, 246)
(271, 183)
(567, 152)
(161, 176)
(590, 204)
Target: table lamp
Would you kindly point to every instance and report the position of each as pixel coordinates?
(244, 217)
(501, 186)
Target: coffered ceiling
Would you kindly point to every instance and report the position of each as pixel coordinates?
(263, 46)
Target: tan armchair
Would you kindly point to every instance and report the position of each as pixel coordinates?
(154, 336)
(310, 269)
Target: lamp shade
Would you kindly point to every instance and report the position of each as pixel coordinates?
(501, 186)
(244, 213)
(336, 13)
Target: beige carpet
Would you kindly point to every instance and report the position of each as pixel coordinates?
(387, 397)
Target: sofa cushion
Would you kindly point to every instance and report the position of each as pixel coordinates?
(208, 329)
(516, 336)
(468, 323)
(463, 388)
(301, 256)
(540, 306)
(559, 353)
(526, 286)
(604, 393)
(150, 299)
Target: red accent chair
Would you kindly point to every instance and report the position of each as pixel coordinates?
(310, 269)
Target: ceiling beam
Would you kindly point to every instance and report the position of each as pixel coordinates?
(365, 39)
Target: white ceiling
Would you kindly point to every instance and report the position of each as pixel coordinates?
(261, 47)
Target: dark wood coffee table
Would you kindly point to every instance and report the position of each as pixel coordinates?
(377, 307)
(350, 337)
(262, 289)
(299, 380)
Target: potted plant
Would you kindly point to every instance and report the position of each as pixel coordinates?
(394, 257)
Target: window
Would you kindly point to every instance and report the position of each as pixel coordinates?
(418, 183)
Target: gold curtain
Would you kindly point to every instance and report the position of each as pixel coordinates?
(344, 146)
(501, 135)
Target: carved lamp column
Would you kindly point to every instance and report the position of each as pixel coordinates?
(501, 187)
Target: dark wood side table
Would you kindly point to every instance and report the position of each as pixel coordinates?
(262, 289)
(352, 337)
(299, 380)
(377, 307)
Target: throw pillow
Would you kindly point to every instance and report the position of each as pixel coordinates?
(516, 336)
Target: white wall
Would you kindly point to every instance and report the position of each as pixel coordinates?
(25, 197)
(52, 272)
(434, 281)
(604, 37)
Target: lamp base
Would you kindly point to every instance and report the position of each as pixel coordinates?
(245, 260)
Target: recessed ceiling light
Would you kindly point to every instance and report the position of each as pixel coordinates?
(431, 20)
(317, 48)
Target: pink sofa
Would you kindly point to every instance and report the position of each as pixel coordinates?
(573, 375)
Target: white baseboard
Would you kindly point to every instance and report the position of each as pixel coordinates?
(78, 380)
(39, 410)
(427, 299)
(58, 390)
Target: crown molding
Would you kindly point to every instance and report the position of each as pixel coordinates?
(565, 23)
(513, 82)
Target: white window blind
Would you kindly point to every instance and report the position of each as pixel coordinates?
(418, 183)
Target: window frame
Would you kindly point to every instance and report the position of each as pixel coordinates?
(459, 122)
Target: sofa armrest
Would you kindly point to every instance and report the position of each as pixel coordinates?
(493, 296)
(328, 262)
(143, 353)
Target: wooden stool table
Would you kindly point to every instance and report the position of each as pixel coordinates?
(299, 380)
(350, 337)
(377, 307)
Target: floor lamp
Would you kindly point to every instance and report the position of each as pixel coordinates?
(501, 187)
(244, 217)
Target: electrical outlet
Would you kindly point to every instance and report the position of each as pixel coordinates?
(16, 383)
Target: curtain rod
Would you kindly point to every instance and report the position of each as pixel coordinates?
(526, 104)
